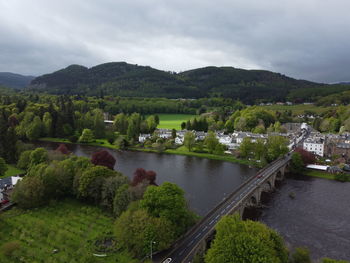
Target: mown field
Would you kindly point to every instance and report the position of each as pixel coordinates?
(12, 171)
(173, 121)
(69, 226)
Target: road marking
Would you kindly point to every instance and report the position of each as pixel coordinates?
(212, 221)
(204, 228)
(217, 216)
(190, 243)
(197, 236)
(181, 252)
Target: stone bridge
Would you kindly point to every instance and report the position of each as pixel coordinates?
(249, 194)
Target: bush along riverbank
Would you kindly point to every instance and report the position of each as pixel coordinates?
(182, 150)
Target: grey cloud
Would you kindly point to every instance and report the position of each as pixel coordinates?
(304, 39)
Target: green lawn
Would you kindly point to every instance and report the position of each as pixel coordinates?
(68, 226)
(319, 174)
(173, 121)
(12, 171)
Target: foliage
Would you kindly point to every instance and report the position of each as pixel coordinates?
(329, 260)
(3, 167)
(91, 180)
(103, 158)
(245, 242)
(126, 80)
(297, 164)
(29, 192)
(37, 156)
(141, 175)
(24, 160)
(136, 229)
(69, 226)
(301, 255)
(307, 157)
(211, 141)
(87, 136)
(168, 201)
(121, 200)
(276, 147)
(189, 140)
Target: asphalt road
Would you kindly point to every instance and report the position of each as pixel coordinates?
(183, 250)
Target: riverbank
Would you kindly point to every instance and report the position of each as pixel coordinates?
(319, 174)
(179, 151)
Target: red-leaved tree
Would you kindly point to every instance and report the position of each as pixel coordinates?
(62, 148)
(307, 157)
(103, 158)
(141, 174)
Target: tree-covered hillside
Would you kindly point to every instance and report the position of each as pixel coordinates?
(12, 80)
(123, 79)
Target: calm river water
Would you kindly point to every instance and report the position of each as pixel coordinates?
(318, 217)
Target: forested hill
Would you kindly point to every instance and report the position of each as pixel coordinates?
(123, 79)
(12, 80)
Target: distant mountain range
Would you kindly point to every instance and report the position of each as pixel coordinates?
(13, 80)
(123, 79)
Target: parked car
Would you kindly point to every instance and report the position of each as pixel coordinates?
(168, 260)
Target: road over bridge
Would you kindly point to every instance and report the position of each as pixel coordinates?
(247, 195)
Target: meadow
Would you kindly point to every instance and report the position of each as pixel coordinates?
(64, 231)
(12, 171)
(173, 121)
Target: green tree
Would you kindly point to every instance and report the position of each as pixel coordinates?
(211, 141)
(168, 201)
(3, 167)
(24, 160)
(136, 229)
(37, 156)
(99, 127)
(219, 149)
(259, 149)
(189, 140)
(121, 200)
(29, 192)
(297, 164)
(47, 124)
(91, 181)
(246, 147)
(245, 242)
(276, 147)
(33, 131)
(87, 136)
(301, 255)
(173, 133)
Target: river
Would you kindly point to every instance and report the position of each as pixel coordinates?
(318, 217)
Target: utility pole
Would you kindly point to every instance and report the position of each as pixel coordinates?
(152, 242)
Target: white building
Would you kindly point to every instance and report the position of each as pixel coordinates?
(144, 137)
(314, 145)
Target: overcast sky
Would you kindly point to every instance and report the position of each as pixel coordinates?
(307, 39)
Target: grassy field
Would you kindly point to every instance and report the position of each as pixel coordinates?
(297, 108)
(319, 174)
(173, 121)
(12, 171)
(68, 226)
